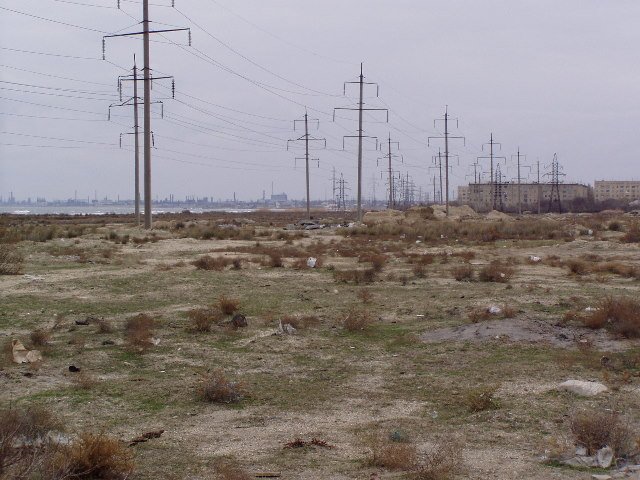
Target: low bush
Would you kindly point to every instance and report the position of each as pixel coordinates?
(595, 429)
(139, 331)
(620, 315)
(217, 388)
(444, 461)
(202, 319)
(578, 267)
(356, 276)
(633, 234)
(357, 320)
(481, 399)
(497, 272)
(40, 337)
(463, 273)
(208, 262)
(10, 260)
(228, 305)
(394, 455)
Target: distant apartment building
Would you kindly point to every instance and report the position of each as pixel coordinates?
(616, 190)
(480, 196)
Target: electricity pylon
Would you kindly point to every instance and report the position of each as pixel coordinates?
(492, 157)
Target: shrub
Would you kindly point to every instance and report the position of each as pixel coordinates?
(139, 331)
(419, 271)
(228, 305)
(228, 470)
(615, 226)
(104, 326)
(594, 429)
(275, 261)
(355, 276)
(10, 260)
(578, 267)
(443, 462)
(496, 271)
(236, 263)
(633, 234)
(357, 320)
(92, 457)
(84, 381)
(217, 388)
(620, 315)
(40, 337)
(211, 263)
(393, 455)
(365, 295)
(463, 273)
(481, 399)
(202, 319)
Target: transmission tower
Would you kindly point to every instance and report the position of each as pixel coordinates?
(361, 109)
(492, 157)
(389, 156)
(519, 156)
(342, 189)
(306, 138)
(498, 190)
(147, 79)
(446, 138)
(555, 174)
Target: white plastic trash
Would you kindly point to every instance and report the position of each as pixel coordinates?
(311, 262)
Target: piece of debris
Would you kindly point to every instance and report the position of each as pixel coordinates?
(285, 329)
(314, 442)
(582, 388)
(239, 321)
(311, 262)
(494, 310)
(534, 258)
(74, 369)
(602, 459)
(145, 437)
(108, 342)
(22, 355)
(83, 321)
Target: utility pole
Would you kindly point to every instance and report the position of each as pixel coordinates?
(499, 194)
(519, 156)
(307, 138)
(446, 138)
(539, 188)
(492, 157)
(555, 175)
(361, 109)
(147, 79)
(134, 101)
(389, 156)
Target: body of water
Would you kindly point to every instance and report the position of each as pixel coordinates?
(105, 210)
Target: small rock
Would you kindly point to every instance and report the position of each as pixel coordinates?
(585, 389)
(108, 342)
(239, 321)
(601, 477)
(83, 322)
(73, 368)
(581, 451)
(604, 457)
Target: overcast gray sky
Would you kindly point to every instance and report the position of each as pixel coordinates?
(545, 75)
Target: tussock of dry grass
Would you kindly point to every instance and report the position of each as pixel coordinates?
(355, 276)
(594, 429)
(496, 271)
(217, 388)
(357, 320)
(481, 399)
(10, 260)
(228, 305)
(394, 455)
(40, 337)
(620, 315)
(444, 462)
(463, 273)
(139, 331)
(202, 319)
(208, 262)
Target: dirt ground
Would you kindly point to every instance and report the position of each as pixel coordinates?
(410, 369)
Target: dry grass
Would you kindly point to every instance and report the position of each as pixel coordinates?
(104, 326)
(463, 273)
(139, 331)
(356, 276)
(228, 470)
(208, 262)
(594, 429)
(228, 305)
(357, 320)
(365, 296)
(84, 381)
(301, 322)
(92, 457)
(633, 234)
(10, 260)
(481, 399)
(40, 337)
(444, 462)
(393, 455)
(202, 319)
(620, 315)
(217, 388)
(496, 271)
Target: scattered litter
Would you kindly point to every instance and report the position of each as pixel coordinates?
(535, 258)
(286, 329)
(311, 262)
(582, 388)
(155, 341)
(145, 437)
(494, 310)
(590, 309)
(419, 315)
(34, 278)
(22, 355)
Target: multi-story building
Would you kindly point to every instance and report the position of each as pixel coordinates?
(616, 190)
(481, 196)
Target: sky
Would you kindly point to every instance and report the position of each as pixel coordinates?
(544, 76)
